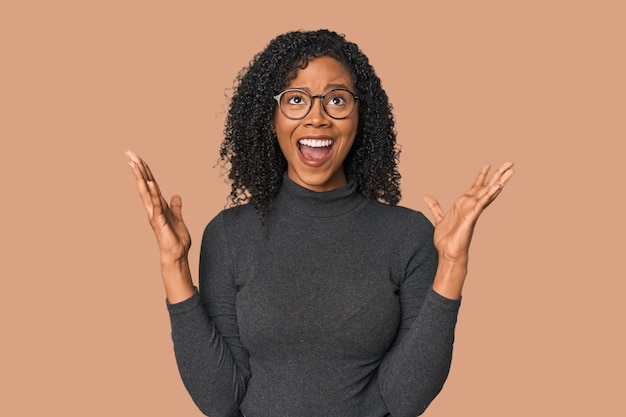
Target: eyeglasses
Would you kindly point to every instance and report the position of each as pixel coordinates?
(295, 104)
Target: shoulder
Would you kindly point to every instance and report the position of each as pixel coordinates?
(398, 218)
(242, 220)
(407, 232)
(406, 237)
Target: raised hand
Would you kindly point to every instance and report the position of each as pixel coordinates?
(172, 235)
(454, 229)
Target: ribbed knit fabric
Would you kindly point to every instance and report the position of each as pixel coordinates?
(328, 312)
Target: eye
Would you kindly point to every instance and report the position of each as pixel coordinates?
(295, 98)
(337, 98)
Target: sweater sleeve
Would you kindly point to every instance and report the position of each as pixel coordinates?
(416, 367)
(211, 360)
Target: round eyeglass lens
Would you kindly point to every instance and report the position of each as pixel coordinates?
(297, 103)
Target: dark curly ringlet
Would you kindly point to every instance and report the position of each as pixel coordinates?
(250, 145)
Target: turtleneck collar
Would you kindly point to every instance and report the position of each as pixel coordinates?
(332, 203)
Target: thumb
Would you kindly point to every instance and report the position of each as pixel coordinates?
(434, 207)
(176, 206)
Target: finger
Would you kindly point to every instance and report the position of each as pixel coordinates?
(159, 208)
(498, 180)
(494, 190)
(146, 173)
(176, 207)
(434, 207)
(140, 164)
(142, 187)
(143, 166)
(137, 173)
(480, 180)
(135, 163)
(150, 178)
(133, 156)
(501, 175)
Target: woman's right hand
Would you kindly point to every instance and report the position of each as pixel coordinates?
(172, 235)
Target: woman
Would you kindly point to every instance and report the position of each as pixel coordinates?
(318, 296)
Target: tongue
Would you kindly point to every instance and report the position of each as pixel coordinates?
(314, 154)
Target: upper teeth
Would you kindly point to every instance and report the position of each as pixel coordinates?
(316, 143)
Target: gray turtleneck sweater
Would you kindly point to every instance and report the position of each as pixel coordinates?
(329, 311)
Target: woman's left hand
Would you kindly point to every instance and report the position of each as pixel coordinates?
(454, 229)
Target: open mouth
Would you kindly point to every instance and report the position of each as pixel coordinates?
(315, 149)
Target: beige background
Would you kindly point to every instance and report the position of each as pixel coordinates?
(83, 322)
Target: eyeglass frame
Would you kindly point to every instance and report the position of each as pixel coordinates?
(321, 97)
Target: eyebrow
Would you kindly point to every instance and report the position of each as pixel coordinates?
(326, 89)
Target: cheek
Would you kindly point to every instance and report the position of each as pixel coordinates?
(352, 129)
(284, 133)
(282, 125)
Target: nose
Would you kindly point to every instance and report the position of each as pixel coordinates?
(317, 115)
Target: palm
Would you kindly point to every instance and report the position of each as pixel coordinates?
(171, 233)
(454, 229)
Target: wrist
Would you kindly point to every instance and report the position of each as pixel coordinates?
(450, 277)
(177, 280)
(174, 262)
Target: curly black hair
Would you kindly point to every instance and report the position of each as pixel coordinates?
(250, 145)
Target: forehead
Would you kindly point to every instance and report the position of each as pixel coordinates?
(320, 73)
